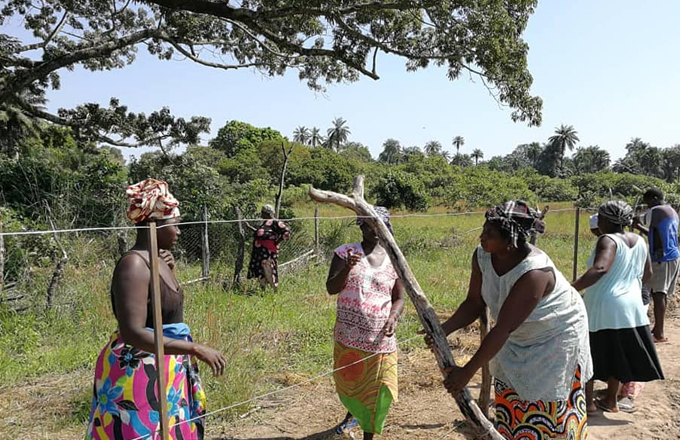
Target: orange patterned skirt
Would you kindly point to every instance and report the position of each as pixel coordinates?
(518, 419)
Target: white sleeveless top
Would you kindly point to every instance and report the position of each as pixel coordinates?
(540, 357)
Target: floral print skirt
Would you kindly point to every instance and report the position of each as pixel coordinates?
(125, 404)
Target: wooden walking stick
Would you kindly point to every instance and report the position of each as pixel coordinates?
(428, 318)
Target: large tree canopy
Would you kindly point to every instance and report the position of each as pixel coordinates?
(326, 41)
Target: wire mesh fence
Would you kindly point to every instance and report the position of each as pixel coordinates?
(57, 283)
(40, 267)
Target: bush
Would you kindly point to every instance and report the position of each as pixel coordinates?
(397, 189)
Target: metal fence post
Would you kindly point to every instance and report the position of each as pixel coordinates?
(576, 234)
(205, 246)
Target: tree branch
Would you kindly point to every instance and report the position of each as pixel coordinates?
(17, 81)
(363, 7)
(43, 44)
(249, 19)
(198, 60)
(41, 114)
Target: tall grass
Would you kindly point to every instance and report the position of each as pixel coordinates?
(269, 340)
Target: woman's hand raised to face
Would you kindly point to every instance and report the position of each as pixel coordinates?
(352, 259)
(167, 256)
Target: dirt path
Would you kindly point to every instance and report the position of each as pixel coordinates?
(40, 409)
(425, 411)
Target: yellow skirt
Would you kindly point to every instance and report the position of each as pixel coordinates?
(366, 387)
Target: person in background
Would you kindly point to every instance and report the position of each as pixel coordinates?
(370, 302)
(660, 224)
(264, 258)
(621, 343)
(538, 351)
(629, 391)
(125, 402)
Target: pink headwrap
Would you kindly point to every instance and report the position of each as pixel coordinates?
(150, 199)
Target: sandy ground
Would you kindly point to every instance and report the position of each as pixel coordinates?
(424, 410)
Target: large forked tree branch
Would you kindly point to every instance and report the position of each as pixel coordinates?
(427, 316)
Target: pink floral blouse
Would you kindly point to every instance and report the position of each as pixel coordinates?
(364, 304)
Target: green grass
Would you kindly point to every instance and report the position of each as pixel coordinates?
(269, 340)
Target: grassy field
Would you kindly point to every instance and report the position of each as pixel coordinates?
(270, 340)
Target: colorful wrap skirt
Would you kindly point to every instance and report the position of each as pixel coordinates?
(125, 403)
(518, 419)
(367, 386)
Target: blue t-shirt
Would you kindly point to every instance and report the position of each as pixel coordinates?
(662, 222)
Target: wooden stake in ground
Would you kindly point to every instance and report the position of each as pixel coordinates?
(428, 317)
(154, 265)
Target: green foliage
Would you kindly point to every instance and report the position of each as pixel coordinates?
(397, 189)
(235, 137)
(81, 186)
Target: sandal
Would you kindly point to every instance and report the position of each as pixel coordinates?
(605, 408)
(346, 425)
(659, 340)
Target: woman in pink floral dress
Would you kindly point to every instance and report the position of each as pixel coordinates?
(370, 302)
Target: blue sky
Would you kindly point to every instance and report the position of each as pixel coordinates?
(608, 67)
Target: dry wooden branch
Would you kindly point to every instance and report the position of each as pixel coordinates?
(485, 387)
(282, 180)
(428, 318)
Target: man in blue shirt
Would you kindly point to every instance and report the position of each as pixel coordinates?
(660, 223)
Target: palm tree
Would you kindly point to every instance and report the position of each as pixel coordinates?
(458, 142)
(476, 155)
(392, 152)
(301, 135)
(433, 148)
(533, 152)
(565, 137)
(315, 137)
(338, 134)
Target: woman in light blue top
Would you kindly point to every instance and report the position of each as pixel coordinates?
(620, 340)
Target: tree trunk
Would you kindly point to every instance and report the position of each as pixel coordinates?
(282, 180)
(240, 253)
(56, 277)
(428, 317)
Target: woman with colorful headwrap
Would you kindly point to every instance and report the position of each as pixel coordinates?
(264, 258)
(370, 302)
(620, 339)
(538, 350)
(125, 403)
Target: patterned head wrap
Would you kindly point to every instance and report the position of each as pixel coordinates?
(269, 209)
(516, 218)
(617, 212)
(383, 214)
(150, 199)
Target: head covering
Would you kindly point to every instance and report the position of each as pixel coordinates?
(383, 214)
(150, 199)
(616, 211)
(269, 209)
(517, 218)
(593, 221)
